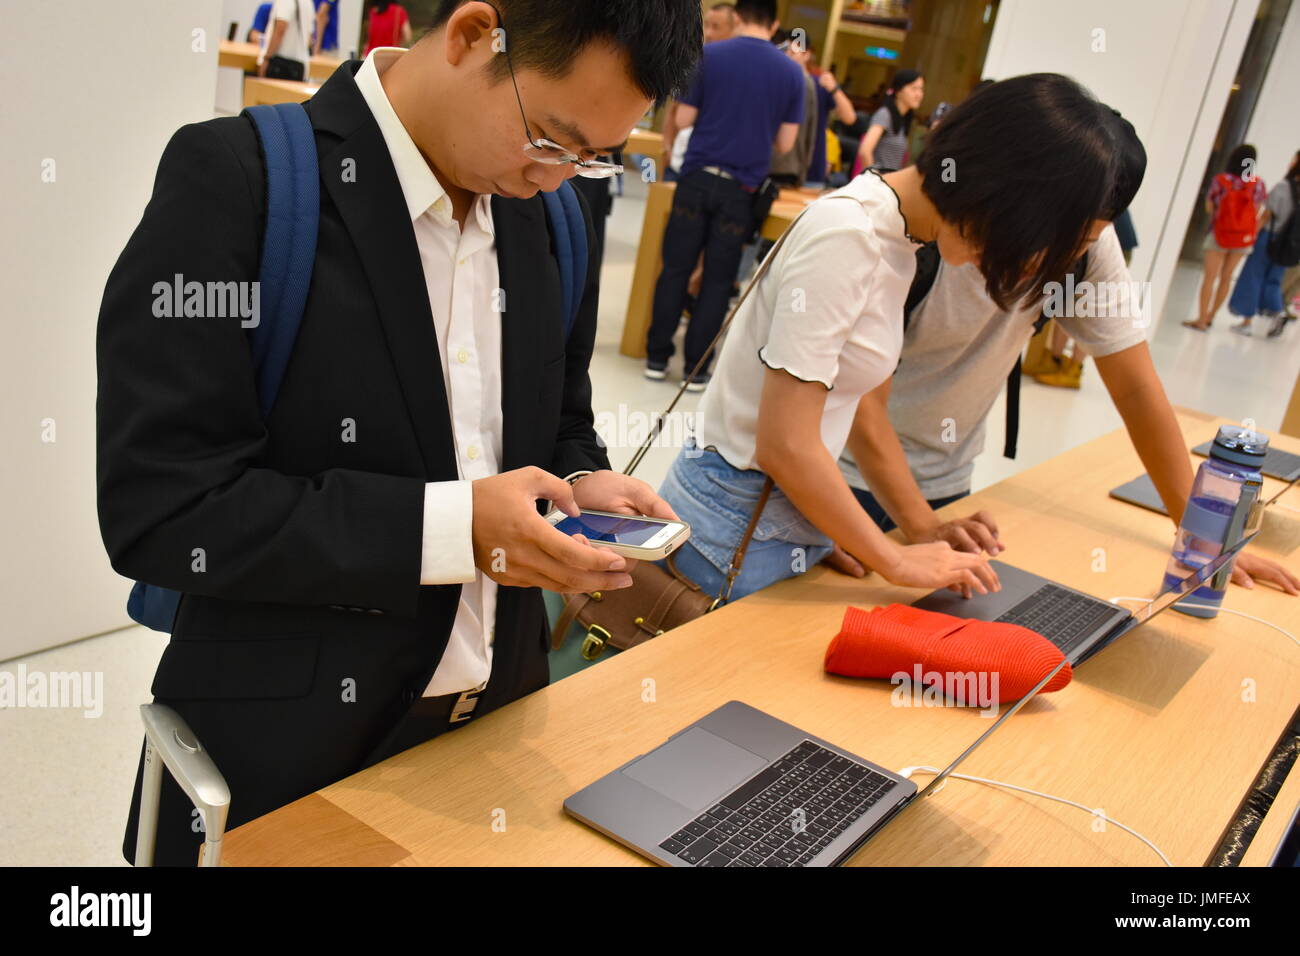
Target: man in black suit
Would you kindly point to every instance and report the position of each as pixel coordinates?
(348, 564)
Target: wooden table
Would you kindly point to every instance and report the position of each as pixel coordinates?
(647, 142)
(243, 56)
(259, 90)
(649, 254)
(1155, 729)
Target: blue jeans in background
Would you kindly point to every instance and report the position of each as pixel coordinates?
(1259, 284)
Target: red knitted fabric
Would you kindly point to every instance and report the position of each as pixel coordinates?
(886, 640)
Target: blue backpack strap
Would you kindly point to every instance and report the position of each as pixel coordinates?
(569, 232)
(288, 253)
(289, 244)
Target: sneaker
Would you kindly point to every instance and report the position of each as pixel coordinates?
(1242, 328)
(656, 370)
(699, 383)
(1279, 323)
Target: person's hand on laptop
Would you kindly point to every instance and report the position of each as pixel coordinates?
(937, 565)
(516, 546)
(1249, 568)
(974, 533)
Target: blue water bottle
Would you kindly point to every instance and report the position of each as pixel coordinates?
(1219, 510)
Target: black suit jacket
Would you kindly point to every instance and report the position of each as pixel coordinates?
(304, 633)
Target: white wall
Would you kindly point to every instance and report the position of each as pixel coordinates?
(1168, 66)
(98, 88)
(1274, 129)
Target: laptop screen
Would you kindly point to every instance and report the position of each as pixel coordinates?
(1190, 583)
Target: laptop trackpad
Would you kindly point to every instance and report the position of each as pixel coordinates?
(695, 768)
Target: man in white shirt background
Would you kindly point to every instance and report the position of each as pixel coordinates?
(286, 54)
(375, 546)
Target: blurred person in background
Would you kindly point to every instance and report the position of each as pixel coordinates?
(1258, 290)
(884, 145)
(1234, 201)
(388, 26)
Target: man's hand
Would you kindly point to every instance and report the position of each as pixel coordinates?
(621, 494)
(827, 81)
(975, 533)
(1250, 568)
(515, 546)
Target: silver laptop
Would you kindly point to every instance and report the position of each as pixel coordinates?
(1078, 623)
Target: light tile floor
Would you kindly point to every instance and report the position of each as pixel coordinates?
(66, 786)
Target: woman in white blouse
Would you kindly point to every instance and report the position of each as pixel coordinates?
(1014, 180)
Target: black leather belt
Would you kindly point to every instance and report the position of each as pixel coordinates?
(455, 708)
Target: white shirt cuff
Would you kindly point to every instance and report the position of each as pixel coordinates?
(447, 548)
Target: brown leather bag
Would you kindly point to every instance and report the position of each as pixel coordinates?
(658, 600)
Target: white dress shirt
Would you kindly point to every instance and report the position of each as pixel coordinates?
(460, 272)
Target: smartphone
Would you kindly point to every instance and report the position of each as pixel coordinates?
(633, 536)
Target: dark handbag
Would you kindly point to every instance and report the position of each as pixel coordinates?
(658, 600)
(282, 68)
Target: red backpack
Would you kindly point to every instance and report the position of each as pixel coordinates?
(1235, 220)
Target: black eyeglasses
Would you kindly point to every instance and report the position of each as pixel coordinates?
(541, 150)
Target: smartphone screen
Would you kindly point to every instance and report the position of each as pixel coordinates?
(616, 530)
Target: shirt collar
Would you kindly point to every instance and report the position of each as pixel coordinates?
(420, 187)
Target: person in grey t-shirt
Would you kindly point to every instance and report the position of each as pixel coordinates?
(917, 435)
(884, 145)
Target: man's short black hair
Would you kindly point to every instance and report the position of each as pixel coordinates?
(761, 13)
(1022, 168)
(662, 39)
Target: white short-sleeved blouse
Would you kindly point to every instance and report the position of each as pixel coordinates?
(829, 310)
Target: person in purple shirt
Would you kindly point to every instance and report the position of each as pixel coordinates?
(746, 96)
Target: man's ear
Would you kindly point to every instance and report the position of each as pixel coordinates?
(466, 29)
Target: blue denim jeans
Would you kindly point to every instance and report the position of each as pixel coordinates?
(717, 500)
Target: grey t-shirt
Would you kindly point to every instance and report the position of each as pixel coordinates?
(958, 350)
(1280, 205)
(891, 147)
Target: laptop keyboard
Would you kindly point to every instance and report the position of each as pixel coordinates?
(785, 815)
(1060, 615)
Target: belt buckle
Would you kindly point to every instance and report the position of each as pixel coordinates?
(463, 709)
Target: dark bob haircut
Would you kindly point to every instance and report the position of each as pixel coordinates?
(1239, 158)
(1021, 169)
(662, 39)
(1131, 168)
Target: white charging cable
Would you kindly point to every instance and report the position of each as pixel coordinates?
(908, 771)
(1226, 610)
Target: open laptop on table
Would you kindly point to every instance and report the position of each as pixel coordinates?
(740, 788)
(1078, 623)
